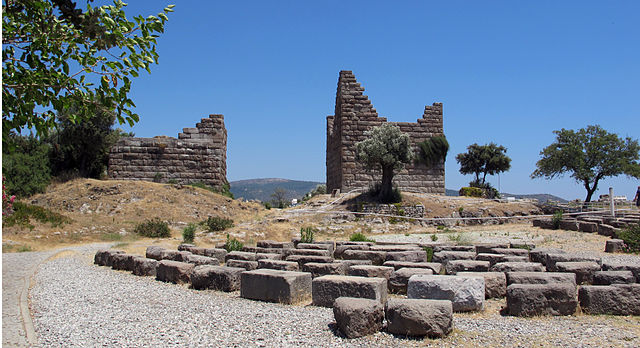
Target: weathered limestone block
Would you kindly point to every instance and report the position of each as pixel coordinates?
(328, 288)
(370, 271)
(540, 254)
(517, 267)
(201, 260)
(617, 299)
(552, 259)
(492, 258)
(540, 278)
(270, 256)
(434, 266)
(486, 248)
(613, 277)
(607, 230)
(400, 278)
(105, 257)
(466, 248)
(318, 269)
(220, 278)
(389, 248)
(174, 271)
(495, 283)
(511, 252)
(623, 266)
(525, 300)
(342, 248)
(591, 227)
(307, 252)
(516, 259)
(358, 317)
(279, 265)
(143, 266)
(247, 265)
(317, 246)
(274, 244)
(302, 259)
(455, 266)
(217, 253)
(350, 263)
(276, 286)
(466, 293)
(376, 257)
(154, 252)
(241, 255)
(407, 256)
(614, 246)
(417, 317)
(122, 262)
(444, 256)
(569, 224)
(584, 270)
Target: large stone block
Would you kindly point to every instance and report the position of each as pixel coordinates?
(486, 248)
(434, 266)
(407, 256)
(279, 265)
(105, 257)
(154, 252)
(584, 270)
(614, 246)
(495, 283)
(358, 317)
(217, 253)
(241, 255)
(613, 277)
(318, 269)
(444, 256)
(174, 271)
(201, 260)
(396, 248)
(342, 248)
(526, 300)
(219, 278)
(328, 288)
(512, 252)
(376, 257)
(540, 254)
(492, 258)
(466, 293)
(466, 248)
(276, 286)
(302, 259)
(417, 317)
(307, 252)
(270, 256)
(274, 244)
(540, 278)
(122, 262)
(552, 259)
(634, 267)
(317, 246)
(400, 278)
(143, 266)
(455, 266)
(370, 271)
(617, 299)
(517, 267)
(246, 265)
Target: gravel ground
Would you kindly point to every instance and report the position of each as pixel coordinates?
(78, 304)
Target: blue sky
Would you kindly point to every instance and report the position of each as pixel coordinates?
(507, 72)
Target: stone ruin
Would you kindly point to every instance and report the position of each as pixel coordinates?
(354, 114)
(198, 155)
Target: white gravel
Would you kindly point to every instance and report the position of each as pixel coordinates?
(78, 304)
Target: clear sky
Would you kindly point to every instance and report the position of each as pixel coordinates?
(508, 72)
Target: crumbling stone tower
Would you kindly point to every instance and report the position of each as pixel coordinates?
(198, 155)
(354, 114)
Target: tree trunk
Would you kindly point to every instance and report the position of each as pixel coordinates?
(590, 190)
(386, 191)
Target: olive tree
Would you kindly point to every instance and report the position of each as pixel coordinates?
(488, 159)
(388, 149)
(589, 155)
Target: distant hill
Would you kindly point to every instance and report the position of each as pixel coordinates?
(262, 189)
(541, 197)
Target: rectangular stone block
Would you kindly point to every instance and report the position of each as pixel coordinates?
(174, 271)
(318, 269)
(376, 257)
(276, 286)
(434, 266)
(327, 289)
(241, 255)
(616, 299)
(220, 278)
(302, 259)
(143, 266)
(465, 293)
(279, 265)
(247, 265)
(526, 300)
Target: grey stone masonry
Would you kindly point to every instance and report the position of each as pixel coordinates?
(353, 116)
(198, 155)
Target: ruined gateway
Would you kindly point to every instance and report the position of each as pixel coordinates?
(354, 114)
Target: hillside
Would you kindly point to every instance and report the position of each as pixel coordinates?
(541, 197)
(262, 189)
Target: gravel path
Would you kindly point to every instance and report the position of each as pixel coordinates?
(77, 304)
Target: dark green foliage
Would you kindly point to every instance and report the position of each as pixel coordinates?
(224, 191)
(23, 213)
(487, 190)
(429, 251)
(555, 220)
(25, 166)
(360, 237)
(318, 190)
(267, 205)
(483, 159)
(589, 155)
(279, 198)
(434, 237)
(215, 224)
(189, 233)
(375, 193)
(631, 238)
(157, 177)
(172, 182)
(232, 244)
(153, 228)
(471, 192)
(306, 234)
(433, 150)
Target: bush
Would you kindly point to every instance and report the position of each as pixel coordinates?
(429, 251)
(215, 224)
(25, 166)
(153, 228)
(555, 220)
(232, 244)
(434, 237)
(23, 213)
(189, 233)
(267, 205)
(306, 234)
(471, 192)
(360, 237)
(631, 238)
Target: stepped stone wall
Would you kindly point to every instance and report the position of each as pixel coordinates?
(198, 155)
(354, 114)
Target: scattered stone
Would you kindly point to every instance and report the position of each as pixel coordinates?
(174, 271)
(246, 265)
(444, 256)
(613, 277)
(495, 283)
(358, 317)
(279, 265)
(584, 270)
(526, 300)
(614, 246)
(143, 266)
(619, 266)
(552, 259)
(376, 257)
(400, 278)
(466, 293)
(327, 288)
(370, 271)
(517, 267)
(418, 317)
(318, 269)
(540, 254)
(540, 278)
(276, 286)
(455, 266)
(241, 255)
(617, 299)
(220, 278)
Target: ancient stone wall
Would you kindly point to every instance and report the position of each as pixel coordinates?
(198, 155)
(354, 114)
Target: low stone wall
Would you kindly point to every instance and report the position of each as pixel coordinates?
(414, 211)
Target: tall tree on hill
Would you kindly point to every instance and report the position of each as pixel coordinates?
(56, 57)
(590, 155)
(388, 149)
(488, 159)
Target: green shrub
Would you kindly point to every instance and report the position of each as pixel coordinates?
(471, 192)
(172, 181)
(555, 220)
(23, 213)
(434, 237)
(429, 251)
(232, 244)
(306, 234)
(360, 237)
(25, 166)
(215, 224)
(433, 150)
(153, 228)
(631, 238)
(158, 177)
(267, 205)
(189, 233)
(460, 238)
